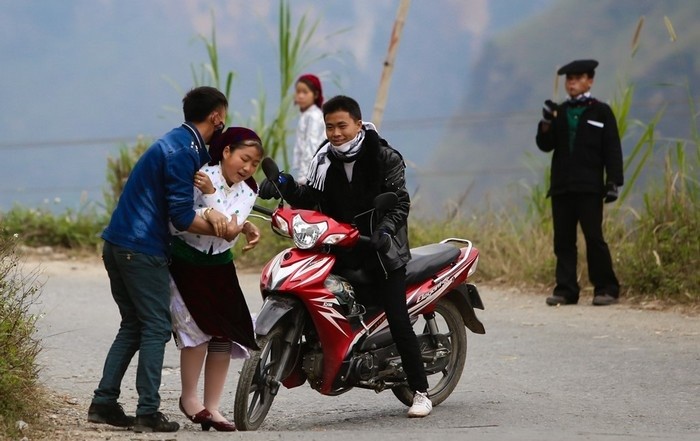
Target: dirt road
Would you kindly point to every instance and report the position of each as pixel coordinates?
(572, 372)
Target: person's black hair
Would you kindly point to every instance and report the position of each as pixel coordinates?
(201, 101)
(342, 103)
(234, 138)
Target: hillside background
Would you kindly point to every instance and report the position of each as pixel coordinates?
(491, 140)
(80, 78)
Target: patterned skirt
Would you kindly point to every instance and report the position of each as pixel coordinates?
(207, 302)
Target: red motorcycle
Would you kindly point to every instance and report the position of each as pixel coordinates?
(311, 327)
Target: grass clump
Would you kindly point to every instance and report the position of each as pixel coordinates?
(78, 230)
(19, 347)
(118, 171)
(659, 256)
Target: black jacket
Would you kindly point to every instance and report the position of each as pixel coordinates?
(378, 169)
(596, 157)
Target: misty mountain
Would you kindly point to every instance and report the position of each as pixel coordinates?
(80, 78)
(491, 141)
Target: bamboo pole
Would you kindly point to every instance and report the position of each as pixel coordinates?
(388, 69)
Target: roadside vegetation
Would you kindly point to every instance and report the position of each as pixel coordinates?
(652, 230)
(19, 347)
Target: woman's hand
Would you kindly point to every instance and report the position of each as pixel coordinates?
(203, 183)
(252, 235)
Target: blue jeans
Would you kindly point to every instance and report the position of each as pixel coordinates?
(140, 287)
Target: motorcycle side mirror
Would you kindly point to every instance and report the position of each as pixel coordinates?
(381, 202)
(272, 172)
(270, 169)
(385, 201)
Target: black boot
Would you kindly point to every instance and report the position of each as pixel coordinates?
(154, 422)
(112, 414)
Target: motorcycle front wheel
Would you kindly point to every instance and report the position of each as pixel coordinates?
(258, 382)
(441, 384)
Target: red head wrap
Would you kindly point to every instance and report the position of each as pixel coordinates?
(315, 85)
(231, 136)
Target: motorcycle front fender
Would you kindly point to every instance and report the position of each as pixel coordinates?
(466, 298)
(275, 309)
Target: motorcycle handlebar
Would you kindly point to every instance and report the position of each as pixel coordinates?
(263, 210)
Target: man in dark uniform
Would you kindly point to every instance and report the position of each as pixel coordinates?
(586, 171)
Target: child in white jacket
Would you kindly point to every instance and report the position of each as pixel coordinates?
(311, 130)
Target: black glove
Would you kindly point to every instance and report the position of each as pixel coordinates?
(610, 193)
(267, 188)
(381, 240)
(550, 107)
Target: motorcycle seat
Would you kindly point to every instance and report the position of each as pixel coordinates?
(428, 260)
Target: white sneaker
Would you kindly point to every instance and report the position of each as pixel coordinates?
(421, 406)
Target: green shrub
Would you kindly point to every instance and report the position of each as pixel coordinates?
(41, 227)
(21, 396)
(118, 170)
(661, 253)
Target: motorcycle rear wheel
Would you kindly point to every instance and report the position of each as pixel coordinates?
(441, 384)
(256, 384)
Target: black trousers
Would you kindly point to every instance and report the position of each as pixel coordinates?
(586, 209)
(390, 293)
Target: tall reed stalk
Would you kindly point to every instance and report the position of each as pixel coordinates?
(294, 55)
(209, 73)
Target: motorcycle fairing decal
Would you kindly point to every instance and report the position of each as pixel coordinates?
(321, 267)
(272, 267)
(363, 331)
(412, 295)
(279, 273)
(443, 282)
(380, 322)
(431, 295)
(434, 293)
(325, 307)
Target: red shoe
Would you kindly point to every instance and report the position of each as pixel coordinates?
(202, 417)
(220, 426)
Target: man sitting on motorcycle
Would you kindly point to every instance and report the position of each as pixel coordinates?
(349, 170)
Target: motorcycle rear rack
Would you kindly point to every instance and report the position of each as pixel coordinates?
(457, 266)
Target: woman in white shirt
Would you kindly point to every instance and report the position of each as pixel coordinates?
(311, 129)
(211, 320)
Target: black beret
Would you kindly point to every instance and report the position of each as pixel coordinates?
(578, 67)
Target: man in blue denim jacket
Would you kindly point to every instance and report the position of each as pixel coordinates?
(135, 254)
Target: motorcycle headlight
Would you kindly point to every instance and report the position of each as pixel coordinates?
(306, 234)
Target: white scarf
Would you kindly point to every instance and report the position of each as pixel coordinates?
(346, 152)
(580, 98)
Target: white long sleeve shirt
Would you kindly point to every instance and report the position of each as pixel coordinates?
(236, 200)
(311, 132)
